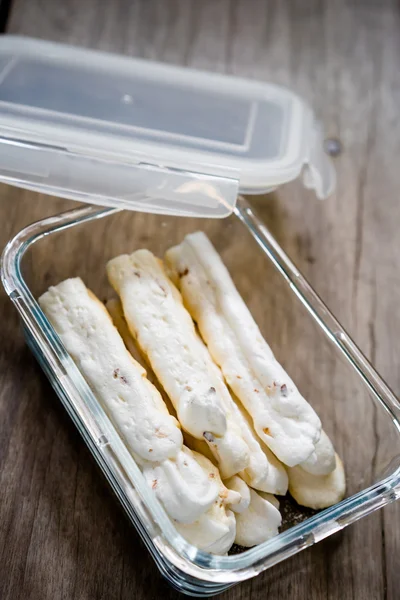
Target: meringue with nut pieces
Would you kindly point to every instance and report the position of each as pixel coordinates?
(282, 418)
(264, 471)
(132, 403)
(240, 413)
(215, 530)
(165, 333)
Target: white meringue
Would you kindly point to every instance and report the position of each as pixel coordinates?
(165, 332)
(132, 403)
(183, 486)
(322, 461)
(317, 491)
(215, 530)
(237, 484)
(130, 400)
(282, 418)
(264, 471)
(259, 521)
(274, 501)
(114, 307)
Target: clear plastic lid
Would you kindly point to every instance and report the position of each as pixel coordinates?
(117, 131)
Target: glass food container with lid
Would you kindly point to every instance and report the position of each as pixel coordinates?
(162, 151)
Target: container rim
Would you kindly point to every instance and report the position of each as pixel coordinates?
(119, 467)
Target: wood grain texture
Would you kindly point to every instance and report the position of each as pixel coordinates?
(61, 532)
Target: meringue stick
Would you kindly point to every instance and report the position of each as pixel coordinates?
(257, 514)
(323, 460)
(264, 472)
(114, 307)
(165, 333)
(236, 484)
(215, 530)
(282, 418)
(317, 491)
(132, 403)
(179, 485)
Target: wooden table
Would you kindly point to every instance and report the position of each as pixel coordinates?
(61, 536)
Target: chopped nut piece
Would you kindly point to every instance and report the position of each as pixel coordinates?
(160, 434)
(162, 288)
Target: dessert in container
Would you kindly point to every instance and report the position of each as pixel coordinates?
(327, 366)
(60, 135)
